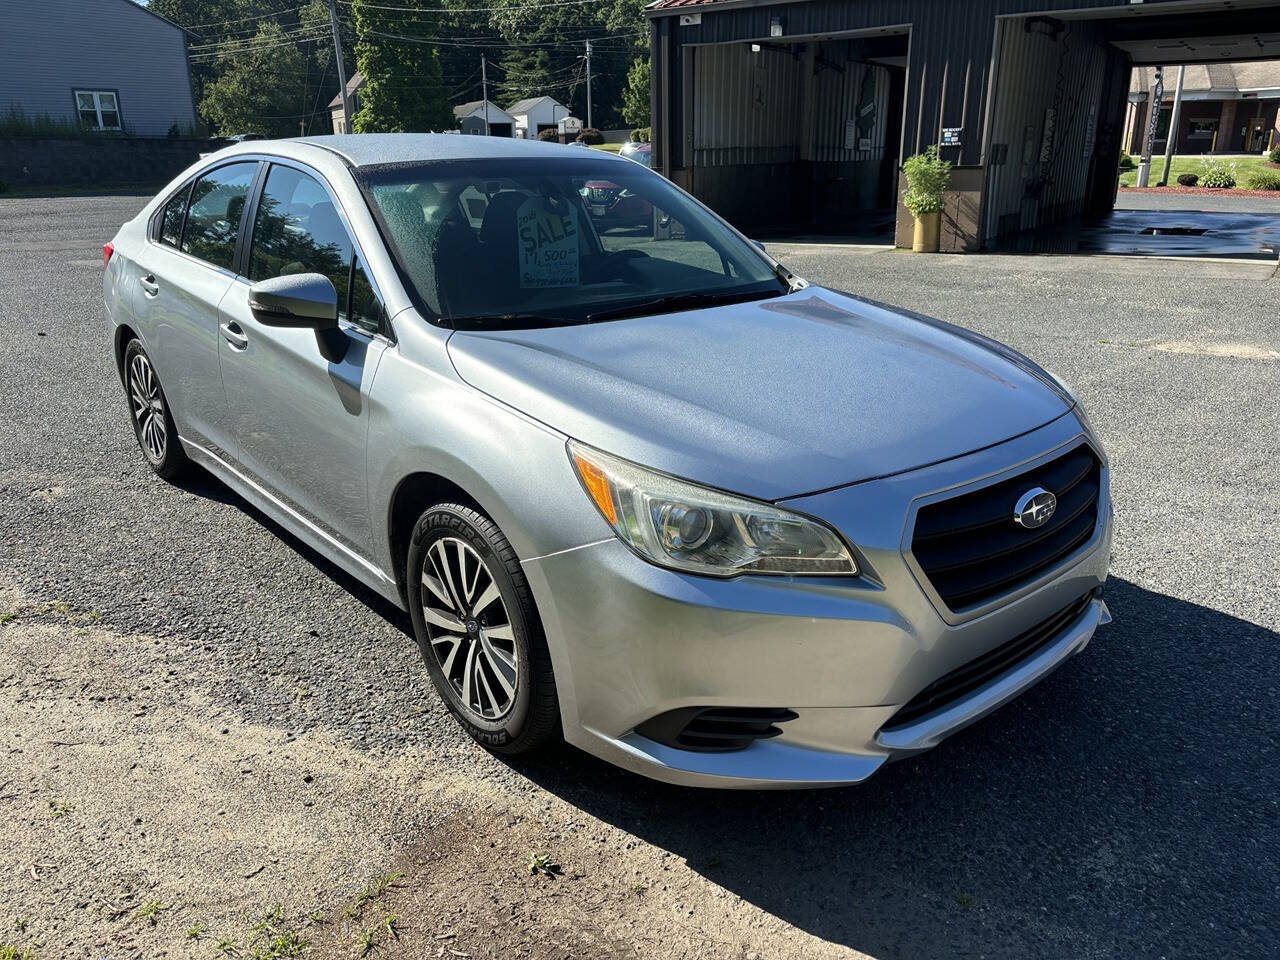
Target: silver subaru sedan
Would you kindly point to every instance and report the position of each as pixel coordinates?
(637, 484)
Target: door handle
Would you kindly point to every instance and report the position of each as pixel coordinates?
(149, 285)
(232, 333)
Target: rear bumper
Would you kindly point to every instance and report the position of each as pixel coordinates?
(632, 641)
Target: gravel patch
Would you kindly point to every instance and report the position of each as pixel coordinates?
(1124, 808)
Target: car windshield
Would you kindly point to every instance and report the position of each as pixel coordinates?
(495, 243)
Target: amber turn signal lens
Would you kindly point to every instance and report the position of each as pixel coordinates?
(597, 485)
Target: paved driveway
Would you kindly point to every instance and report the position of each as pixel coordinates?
(1127, 807)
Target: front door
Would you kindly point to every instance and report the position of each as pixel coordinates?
(301, 418)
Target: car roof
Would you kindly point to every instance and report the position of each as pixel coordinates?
(368, 149)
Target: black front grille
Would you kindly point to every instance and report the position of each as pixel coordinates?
(715, 729)
(974, 674)
(971, 549)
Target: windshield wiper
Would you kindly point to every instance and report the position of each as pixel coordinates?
(675, 302)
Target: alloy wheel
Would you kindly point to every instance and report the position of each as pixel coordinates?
(148, 407)
(469, 627)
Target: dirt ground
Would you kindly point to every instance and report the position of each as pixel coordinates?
(142, 821)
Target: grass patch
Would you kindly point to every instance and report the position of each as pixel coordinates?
(373, 891)
(59, 809)
(151, 910)
(544, 864)
(1190, 163)
(9, 952)
(196, 931)
(609, 147)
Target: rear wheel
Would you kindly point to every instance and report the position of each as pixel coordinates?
(149, 411)
(478, 630)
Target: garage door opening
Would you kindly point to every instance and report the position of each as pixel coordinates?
(1066, 108)
(798, 136)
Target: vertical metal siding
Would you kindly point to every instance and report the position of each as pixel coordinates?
(1038, 73)
(746, 106)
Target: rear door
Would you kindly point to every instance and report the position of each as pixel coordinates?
(301, 418)
(186, 267)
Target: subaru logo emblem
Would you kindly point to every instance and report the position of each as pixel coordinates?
(1034, 508)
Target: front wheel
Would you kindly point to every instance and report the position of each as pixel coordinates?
(478, 630)
(149, 411)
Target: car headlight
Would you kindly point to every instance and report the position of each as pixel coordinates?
(681, 525)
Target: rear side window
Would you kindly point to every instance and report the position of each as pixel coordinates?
(298, 230)
(171, 220)
(213, 219)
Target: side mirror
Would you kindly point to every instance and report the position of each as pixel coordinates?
(306, 300)
(760, 246)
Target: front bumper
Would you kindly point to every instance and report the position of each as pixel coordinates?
(631, 640)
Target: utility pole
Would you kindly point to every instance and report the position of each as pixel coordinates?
(1154, 103)
(484, 91)
(342, 70)
(1172, 139)
(589, 83)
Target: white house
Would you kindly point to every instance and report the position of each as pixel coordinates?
(354, 83)
(475, 116)
(535, 114)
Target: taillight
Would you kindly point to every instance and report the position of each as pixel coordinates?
(108, 249)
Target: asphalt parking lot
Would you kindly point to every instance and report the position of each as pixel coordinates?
(1126, 807)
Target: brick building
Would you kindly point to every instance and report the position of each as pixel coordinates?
(1226, 108)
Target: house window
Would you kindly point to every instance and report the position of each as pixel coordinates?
(98, 109)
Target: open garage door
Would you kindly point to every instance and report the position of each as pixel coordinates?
(1057, 123)
(802, 135)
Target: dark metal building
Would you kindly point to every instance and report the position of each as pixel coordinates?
(797, 115)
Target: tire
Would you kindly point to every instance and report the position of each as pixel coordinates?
(149, 411)
(495, 677)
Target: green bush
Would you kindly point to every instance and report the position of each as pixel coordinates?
(1188, 179)
(1217, 174)
(640, 135)
(927, 178)
(1274, 155)
(591, 136)
(551, 135)
(1127, 162)
(1263, 180)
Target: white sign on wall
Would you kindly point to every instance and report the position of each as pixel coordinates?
(548, 245)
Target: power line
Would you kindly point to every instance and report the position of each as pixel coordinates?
(467, 10)
(259, 16)
(448, 42)
(232, 44)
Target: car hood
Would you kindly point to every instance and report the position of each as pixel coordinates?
(772, 398)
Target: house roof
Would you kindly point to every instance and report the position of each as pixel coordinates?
(354, 83)
(528, 103)
(1212, 80)
(470, 107)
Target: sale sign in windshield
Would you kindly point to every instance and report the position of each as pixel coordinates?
(548, 243)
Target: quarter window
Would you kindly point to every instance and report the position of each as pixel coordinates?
(297, 230)
(171, 219)
(213, 221)
(98, 109)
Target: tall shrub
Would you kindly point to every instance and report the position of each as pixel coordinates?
(927, 178)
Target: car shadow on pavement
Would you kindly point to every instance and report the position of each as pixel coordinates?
(1124, 807)
(200, 483)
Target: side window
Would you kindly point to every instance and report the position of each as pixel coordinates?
(171, 219)
(213, 220)
(366, 309)
(298, 230)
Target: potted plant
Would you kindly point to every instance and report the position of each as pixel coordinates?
(927, 177)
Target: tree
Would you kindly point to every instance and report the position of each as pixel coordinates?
(635, 99)
(257, 89)
(403, 85)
